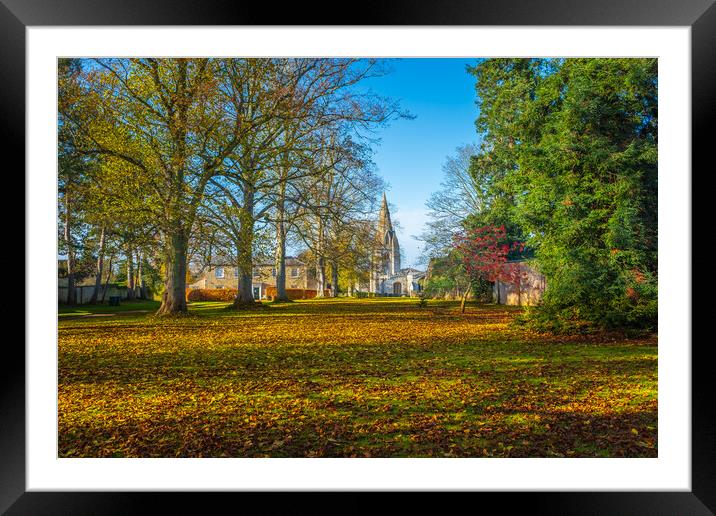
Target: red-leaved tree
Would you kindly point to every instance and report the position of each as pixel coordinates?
(484, 252)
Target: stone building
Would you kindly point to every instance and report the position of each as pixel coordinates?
(387, 278)
(526, 291)
(220, 276)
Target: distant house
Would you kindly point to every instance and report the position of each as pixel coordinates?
(220, 276)
(527, 291)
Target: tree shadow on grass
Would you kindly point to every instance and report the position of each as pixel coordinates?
(358, 432)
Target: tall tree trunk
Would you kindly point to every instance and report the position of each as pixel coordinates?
(100, 264)
(135, 256)
(244, 285)
(130, 274)
(281, 232)
(464, 298)
(281, 254)
(334, 278)
(140, 276)
(109, 275)
(174, 296)
(320, 262)
(245, 296)
(320, 276)
(71, 293)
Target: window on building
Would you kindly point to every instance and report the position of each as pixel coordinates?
(273, 272)
(236, 272)
(219, 272)
(257, 273)
(295, 272)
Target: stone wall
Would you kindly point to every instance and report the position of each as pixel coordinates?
(84, 293)
(526, 292)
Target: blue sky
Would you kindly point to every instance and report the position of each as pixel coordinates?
(441, 96)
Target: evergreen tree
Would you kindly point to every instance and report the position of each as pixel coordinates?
(570, 153)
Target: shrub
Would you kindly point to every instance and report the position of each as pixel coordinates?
(296, 293)
(422, 300)
(212, 294)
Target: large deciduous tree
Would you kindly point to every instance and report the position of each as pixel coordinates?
(294, 108)
(461, 194)
(186, 144)
(73, 168)
(164, 119)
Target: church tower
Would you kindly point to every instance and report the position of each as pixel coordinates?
(387, 252)
(386, 278)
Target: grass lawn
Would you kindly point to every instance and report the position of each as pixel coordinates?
(65, 311)
(344, 378)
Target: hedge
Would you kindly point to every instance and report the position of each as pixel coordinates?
(296, 293)
(211, 294)
(228, 294)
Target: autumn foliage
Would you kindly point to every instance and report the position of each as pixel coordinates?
(229, 294)
(484, 251)
(376, 377)
(297, 293)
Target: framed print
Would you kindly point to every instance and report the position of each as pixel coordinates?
(398, 320)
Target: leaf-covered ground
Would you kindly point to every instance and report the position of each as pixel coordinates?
(369, 377)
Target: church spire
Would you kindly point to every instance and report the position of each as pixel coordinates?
(384, 222)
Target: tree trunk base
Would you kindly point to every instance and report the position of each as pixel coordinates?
(168, 312)
(462, 303)
(245, 305)
(282, 300)
(171, 306)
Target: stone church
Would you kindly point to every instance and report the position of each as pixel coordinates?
(387, 278)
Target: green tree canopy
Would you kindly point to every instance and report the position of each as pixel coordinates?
(569, 154)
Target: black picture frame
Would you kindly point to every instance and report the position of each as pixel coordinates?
(16, 15)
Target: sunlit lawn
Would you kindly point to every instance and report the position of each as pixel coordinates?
(369, 377)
